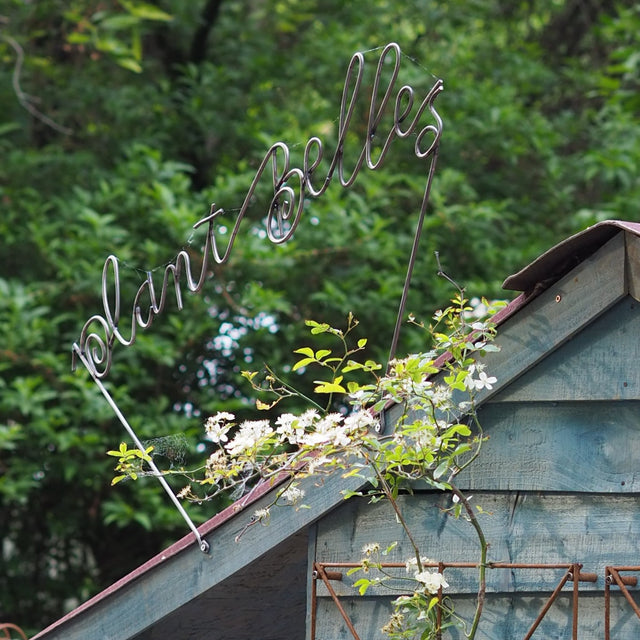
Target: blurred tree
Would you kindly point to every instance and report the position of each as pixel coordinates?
(120, 122)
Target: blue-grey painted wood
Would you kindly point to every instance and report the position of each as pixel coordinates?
(557, 314)
(243, 606)
(138, 605)
(633, 265)
(593, 529)
(309, 585)
(504, 618)
(600, 363)
(552, 318)
(571, 446)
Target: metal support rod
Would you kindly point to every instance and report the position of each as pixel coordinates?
(573, 574)
(547, 605)
(412, 257)
(607, 603)
(439, 609)
(202, 543)
(613, 572)
(314, 604)
(576, 585)
(334, 596)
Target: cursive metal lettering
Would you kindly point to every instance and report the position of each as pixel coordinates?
(290, 186)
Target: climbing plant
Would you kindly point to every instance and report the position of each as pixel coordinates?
(437, 436)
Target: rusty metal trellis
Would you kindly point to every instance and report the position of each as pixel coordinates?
(573, 574)
(612, 577)
(6, 628)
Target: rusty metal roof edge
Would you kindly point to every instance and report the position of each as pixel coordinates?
(560, 259)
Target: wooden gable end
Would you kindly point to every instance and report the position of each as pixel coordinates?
(240, 585)
(557, 478)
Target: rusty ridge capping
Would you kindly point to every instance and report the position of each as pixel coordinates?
(573, 571)
(613, 577)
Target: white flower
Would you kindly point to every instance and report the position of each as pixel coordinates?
(292, 495)
(290, 428)
(432, 581)
(485, 381)
(441, 395)
(261, 514)
(328, 430)
(370, 547)
(308, 418)
(360, 420)
(412, 564)
(482, 382)
(216, 427)
(248, 436)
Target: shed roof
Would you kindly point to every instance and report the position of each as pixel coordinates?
(560, 259)
(578, 279)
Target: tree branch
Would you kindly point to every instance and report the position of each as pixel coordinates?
(25, 100)
(208, 19)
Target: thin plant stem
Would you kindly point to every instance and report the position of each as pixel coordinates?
(386, 489)
(482, 565)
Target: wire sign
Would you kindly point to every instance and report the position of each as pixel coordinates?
(393, 112)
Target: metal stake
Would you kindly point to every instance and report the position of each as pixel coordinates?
(202, 543)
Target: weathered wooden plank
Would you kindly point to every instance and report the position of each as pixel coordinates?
(573, 446)
(504, 618)
(245, 603)
(559, 313)
(131, 609)
(552, 318)
(600, 363)
(633, 265)
(310, 580)
(596, 530)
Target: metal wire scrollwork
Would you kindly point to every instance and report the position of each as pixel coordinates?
(291, 186)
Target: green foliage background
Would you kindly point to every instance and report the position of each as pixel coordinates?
(120, 123)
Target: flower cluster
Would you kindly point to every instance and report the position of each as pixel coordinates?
(432, 581)
(299, 445)
(436, 436)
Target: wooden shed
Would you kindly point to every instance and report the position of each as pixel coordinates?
(558, 479)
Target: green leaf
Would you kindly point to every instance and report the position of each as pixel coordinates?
(363, 584)
(441, 469)
(130, 64)
(117, 22)
(330, 387)
(390, 548)
(78, 38)
(146, 11)
(302, 363)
